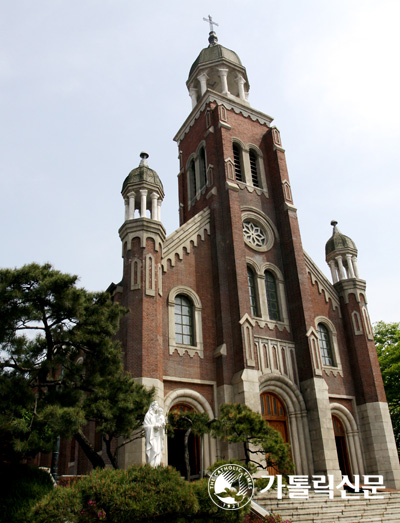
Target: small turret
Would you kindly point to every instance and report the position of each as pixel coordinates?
(341, 256)
(142, 190)
(218, 69)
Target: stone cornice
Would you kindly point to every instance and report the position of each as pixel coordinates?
(142, 228)
(352, 286)
(229, 104)
(324, 285)
(183, 237)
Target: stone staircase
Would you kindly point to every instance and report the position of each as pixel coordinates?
(318, 508)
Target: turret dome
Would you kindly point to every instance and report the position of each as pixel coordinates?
(143, 176)
(214, 53)
(339, 242)
(341, 256)
(219, 70)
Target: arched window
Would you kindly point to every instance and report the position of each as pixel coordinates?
(272, 296)
(254, 169)
(252, 292)
(203, 173)
(184, 332)
(192, 180)
(238, 162)
(325, 345)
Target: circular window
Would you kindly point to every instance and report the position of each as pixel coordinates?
(253, 234)
(258, 233)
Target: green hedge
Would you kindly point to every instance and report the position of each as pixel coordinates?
(139, 494)
(21, 488)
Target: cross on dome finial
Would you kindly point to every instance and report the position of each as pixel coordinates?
(210, 21)
(212, 38)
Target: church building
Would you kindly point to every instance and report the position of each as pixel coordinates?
(230, 309)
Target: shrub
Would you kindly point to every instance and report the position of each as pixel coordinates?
(22, 487)
(62, 504)
(140, 493)
(271, 518)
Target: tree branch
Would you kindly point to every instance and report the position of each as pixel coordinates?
(125, 442)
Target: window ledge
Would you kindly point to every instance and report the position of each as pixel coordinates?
(189, 349)
(330, 369)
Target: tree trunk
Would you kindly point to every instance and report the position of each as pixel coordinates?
(88, 449)
(187, 462)
(110, 454)
(246, 452)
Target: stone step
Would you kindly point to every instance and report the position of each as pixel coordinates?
(318, 508)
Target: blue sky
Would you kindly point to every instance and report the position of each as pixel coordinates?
(87, 85)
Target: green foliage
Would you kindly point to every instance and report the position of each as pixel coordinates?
(60, 365)
(198, 422)
(387, 341)
(141, 493)
(21, 488)
(239, 424)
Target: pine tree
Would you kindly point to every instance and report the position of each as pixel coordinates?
(60, 365)
(239, 424)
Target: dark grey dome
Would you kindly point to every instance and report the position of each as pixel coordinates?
(339, 242)
(143, 175)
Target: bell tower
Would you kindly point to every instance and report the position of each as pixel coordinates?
(142, 235)
(233, 162)
(375, 423)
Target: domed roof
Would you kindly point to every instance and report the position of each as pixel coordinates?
(143, 175)
(339, 242)
(213, 53)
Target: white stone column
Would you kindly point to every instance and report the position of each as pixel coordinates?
(143, 201)
(332, 266)
(223, 74)
(241, 81)
(350, 266)
(202, 78)
(342, 275)
(131, 212)
(298, 450)
(193, 96)
(126, 201)
(154, 197)
(355, 267)
(159, 210)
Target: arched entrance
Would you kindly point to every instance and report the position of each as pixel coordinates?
(274, 412)
(176, 447)
(341, 446)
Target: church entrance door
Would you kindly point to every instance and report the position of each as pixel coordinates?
(274, 412)
(341, 446)
(176, 447)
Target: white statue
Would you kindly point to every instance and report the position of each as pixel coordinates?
(154, 423)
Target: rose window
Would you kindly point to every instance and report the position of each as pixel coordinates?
(253, 234)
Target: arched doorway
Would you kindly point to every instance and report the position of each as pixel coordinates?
(176, 447)
(341, 446)
(274, 412)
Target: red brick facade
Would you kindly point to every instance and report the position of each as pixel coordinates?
(238, 352)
